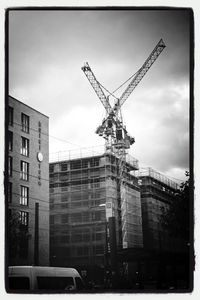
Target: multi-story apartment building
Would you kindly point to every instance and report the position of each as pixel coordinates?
(84, 193)
(27, 185)
(166, 256)
(157, 194)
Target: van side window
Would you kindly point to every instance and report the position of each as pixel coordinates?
(79, 283)
(54, 283)
(19, 283)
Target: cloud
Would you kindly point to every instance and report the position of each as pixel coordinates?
(159, 120)
(46, 53)
(78, 127)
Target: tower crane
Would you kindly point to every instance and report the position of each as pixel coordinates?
(112, 128)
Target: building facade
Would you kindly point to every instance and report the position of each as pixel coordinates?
(157, 194)
(84, 194)
(27, 185)
(165, 257)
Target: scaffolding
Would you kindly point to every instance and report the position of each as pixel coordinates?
(157, 194)
(77, 153)
(143, 172)
(80, 153)
(77, 188)
(84, 194)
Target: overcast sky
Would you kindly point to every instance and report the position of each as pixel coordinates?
(48, 48)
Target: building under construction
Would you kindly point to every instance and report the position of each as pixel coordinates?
(101, 207)
(157, 194)
(84, 193)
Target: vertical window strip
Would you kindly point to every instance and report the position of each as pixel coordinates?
(10, 116)
(24, 146)
(10, 140)
(25, 123)
(24, 195)
(24, 168)
(24, 218)
(10, 165)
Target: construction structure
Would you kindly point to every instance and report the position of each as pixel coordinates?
(88, 192)
(157, 194)
(83, 196)
(26, 185)
(164, 260)
(113, 130)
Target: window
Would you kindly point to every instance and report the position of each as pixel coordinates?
(24, 195)
(10, 140)
(82, 251)
(23, 217)
(95, 195)
(51, 168)
(85, 216)
(10, 166)
(9, 192)
(64, 167)
(19, 283)
(10, 116)
(55, 177)
(94, 162)
(64, 238)
(24, 146)
(84, 163)
(76, 204)
(98, 249)
(64, 199)
(86, 237)
(96, 216)
(75, 164)
(98, 236)
(64, 205)
(64, 218)
(51, 219)
(76, 217)
(54, 283)
(24, 170)
(95, 184)
(25, 123)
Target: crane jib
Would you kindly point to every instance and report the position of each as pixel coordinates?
(140, 74)
(96, 86)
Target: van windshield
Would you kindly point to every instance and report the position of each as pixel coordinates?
(54, 283)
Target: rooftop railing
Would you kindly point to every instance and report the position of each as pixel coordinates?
(82, 153)
(76, 153)
(158, 176)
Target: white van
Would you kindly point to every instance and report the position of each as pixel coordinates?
(34, 278)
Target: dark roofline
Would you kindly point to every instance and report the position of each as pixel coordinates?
(28, 106)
